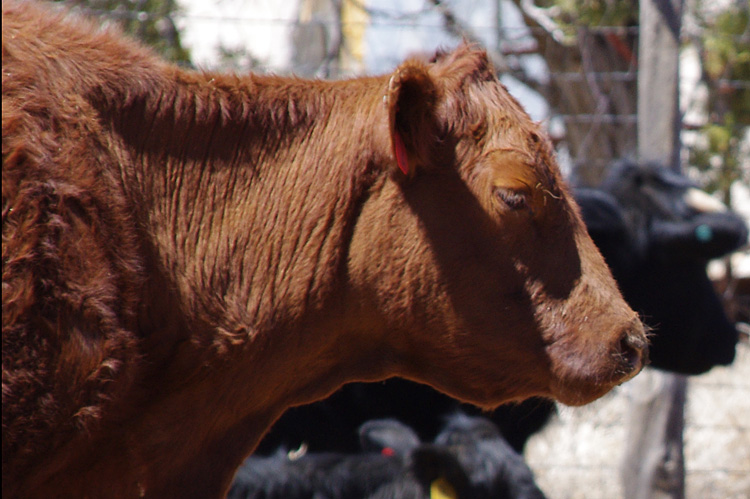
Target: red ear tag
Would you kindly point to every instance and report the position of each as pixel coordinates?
(388, 452)
(400, 150)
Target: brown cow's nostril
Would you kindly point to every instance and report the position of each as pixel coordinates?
(633, 352)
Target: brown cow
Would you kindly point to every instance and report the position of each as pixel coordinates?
(186, 255)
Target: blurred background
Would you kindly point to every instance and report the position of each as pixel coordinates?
(575, 65)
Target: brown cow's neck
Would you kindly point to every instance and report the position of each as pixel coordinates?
(249, 170)
(254, 175)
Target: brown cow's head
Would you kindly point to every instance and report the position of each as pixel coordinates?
(474, 255)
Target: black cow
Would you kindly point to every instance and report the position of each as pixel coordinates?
(657, 240)
(330, 474)
(657, 235)
(494, 468)
(469, 459)
(331, 425)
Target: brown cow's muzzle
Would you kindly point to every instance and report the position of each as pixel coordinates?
(595, 371)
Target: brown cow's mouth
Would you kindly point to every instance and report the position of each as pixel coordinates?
(585, 386)
(577, 394)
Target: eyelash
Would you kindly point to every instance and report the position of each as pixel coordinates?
(512, 199)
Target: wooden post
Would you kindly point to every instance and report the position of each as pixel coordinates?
(316, 39)
(354, 19)
(658, 73)
(654, 465)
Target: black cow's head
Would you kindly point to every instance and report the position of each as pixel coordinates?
(657, 232)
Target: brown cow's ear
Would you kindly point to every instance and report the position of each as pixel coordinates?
(411, 100)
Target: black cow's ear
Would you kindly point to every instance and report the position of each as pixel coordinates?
(378, 435)
(621, 243)
(411, 98)
(601, 212)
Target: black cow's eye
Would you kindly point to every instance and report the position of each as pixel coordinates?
(513, 199)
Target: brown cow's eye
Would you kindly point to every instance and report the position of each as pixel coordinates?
(513, 199)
